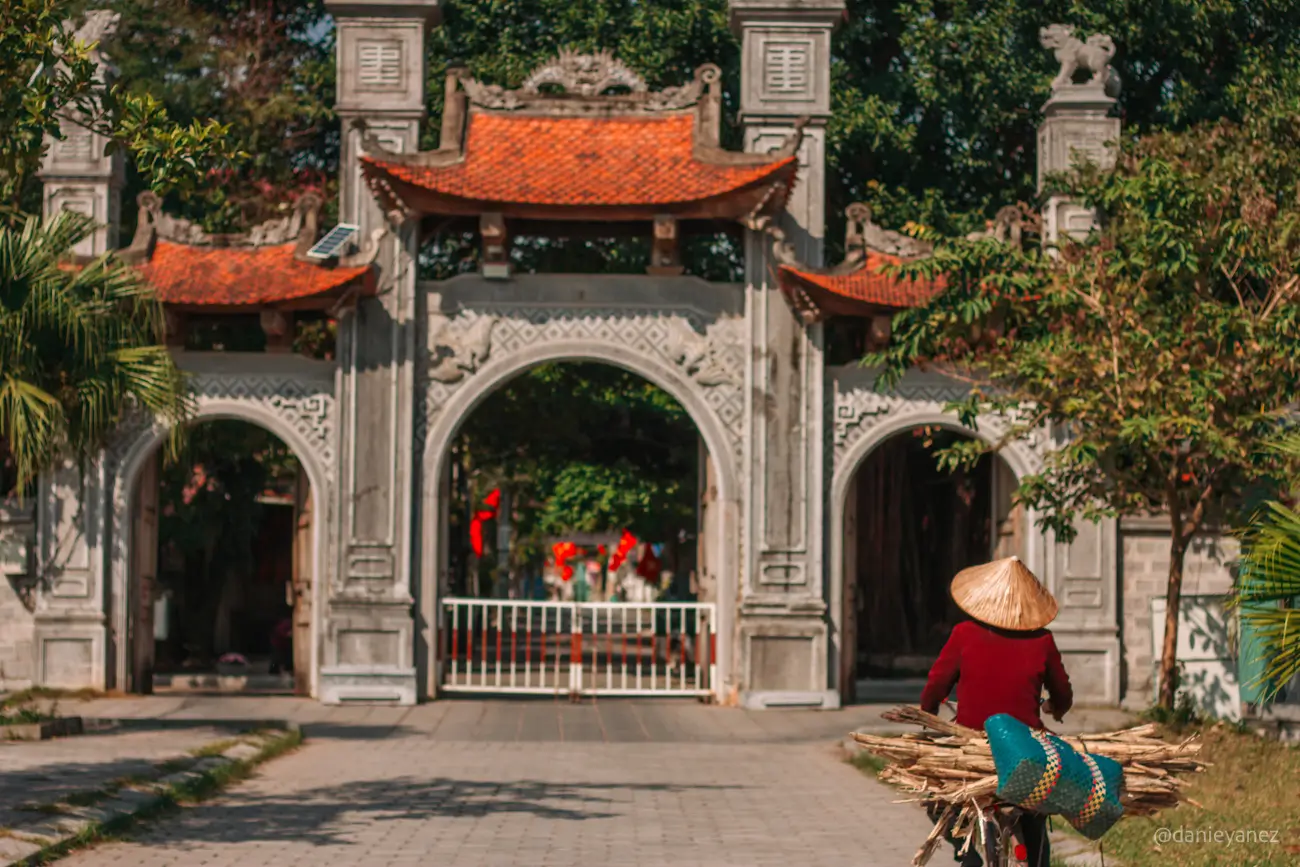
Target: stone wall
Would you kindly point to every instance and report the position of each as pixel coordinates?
(17, 623)
(1144, 571)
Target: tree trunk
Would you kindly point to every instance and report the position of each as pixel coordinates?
(1173, 594)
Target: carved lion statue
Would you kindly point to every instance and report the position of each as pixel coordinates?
(1073, 54)
(100, 24)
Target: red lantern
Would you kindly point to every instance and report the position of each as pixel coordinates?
(562, 551)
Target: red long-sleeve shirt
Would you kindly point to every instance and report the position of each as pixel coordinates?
(998, 671)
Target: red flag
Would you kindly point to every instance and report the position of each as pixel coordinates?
(492, 501)
(626, 543)
(649, 565)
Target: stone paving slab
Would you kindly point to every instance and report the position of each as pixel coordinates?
(45, 771)
(414, 798)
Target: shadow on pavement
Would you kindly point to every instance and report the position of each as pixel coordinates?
(323, 816)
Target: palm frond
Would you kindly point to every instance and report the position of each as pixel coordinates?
(1270, 562)
(80, 346)
(1277, 632)
(31, 421)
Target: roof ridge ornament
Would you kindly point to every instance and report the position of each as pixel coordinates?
(154, 224)
(862, 234)
(584, 74)
(582, 81)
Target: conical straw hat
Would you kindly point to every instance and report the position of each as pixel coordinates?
(1004, 594)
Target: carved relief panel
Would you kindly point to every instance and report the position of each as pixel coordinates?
(706, 351)
(381, 65)
(786, 70)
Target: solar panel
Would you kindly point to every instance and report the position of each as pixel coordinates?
(330, 245)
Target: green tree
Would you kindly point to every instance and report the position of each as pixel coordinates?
(48, 76)
(1162, 348)
(265, 70)
(936, 103)
(583, 448)
(1267, 590)
(78, 347)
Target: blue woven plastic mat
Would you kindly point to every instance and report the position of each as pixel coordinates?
(1040, 772)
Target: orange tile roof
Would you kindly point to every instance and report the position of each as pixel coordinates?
(866, 285)
(629, 160)
(238, 276)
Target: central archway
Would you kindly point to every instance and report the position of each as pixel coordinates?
(724, 534)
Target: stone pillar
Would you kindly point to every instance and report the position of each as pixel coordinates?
(77, 173)
(782, 635)
(1078, 125)
(369, 635)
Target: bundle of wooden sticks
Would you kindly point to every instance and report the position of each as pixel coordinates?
(950, 768)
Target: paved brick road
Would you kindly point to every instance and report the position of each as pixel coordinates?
(461, 784)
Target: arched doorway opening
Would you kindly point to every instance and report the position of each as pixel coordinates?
(220, 566)
(909, 526)
(629, 457)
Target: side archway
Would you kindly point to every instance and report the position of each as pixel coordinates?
(299, 415)
(852, 452)
(473, 390)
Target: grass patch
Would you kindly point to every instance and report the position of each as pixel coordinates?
(868, 763)
(1251, 784)
(16, 716)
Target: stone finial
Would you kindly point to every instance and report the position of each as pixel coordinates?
(861, 234)
(1006, 227)
(1093, 55)
(99, 25)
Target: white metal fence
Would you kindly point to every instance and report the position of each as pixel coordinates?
(582, 648)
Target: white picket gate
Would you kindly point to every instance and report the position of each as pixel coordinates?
(578, 648)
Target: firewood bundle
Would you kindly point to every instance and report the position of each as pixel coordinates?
(950, 769)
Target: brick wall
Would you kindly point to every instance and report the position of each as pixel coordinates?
(1144, 572)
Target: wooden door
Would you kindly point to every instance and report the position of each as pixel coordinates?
(144, 573)
(303, 567)
(849, 602)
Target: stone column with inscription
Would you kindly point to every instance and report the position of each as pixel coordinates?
(369, 637)
(782, 647)
(78, 175)
(1079, 125)
(67, 596)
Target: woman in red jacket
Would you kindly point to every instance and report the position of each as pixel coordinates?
(1000, 662)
